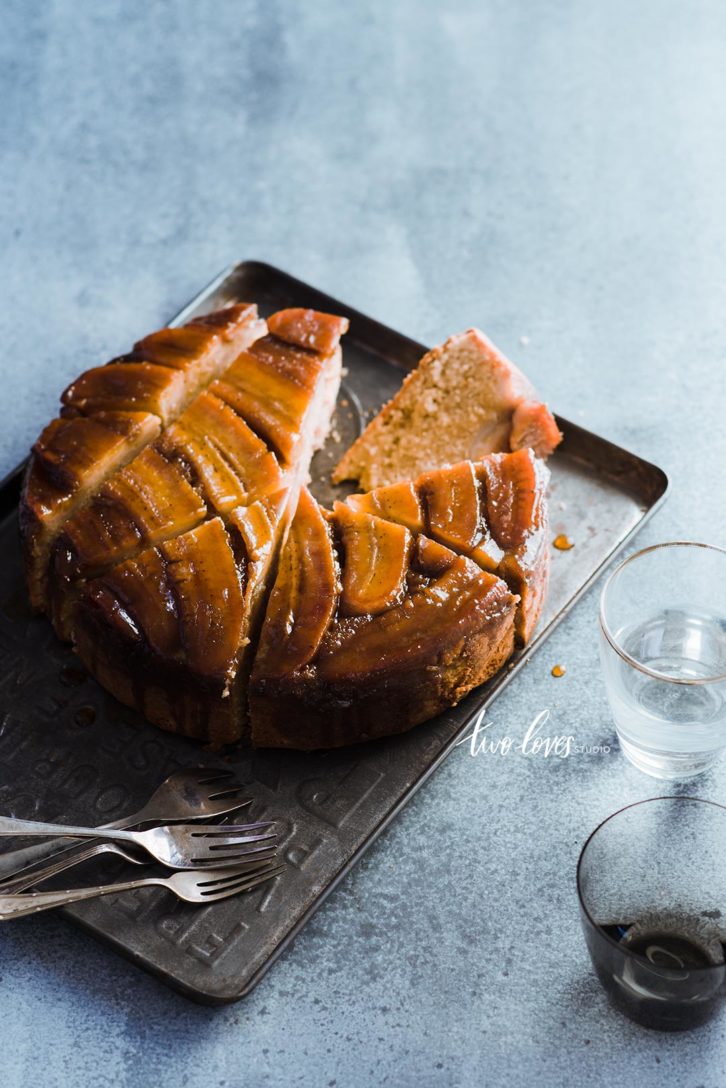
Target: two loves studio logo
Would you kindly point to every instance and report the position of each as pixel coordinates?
(534, 742)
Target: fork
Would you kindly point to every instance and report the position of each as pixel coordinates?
(179, 846)
(69, 860)
(192, 887)
(199, 793)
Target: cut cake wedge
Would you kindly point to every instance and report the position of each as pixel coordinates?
(464, 400)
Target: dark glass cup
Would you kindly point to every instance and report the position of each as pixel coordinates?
(652, 886)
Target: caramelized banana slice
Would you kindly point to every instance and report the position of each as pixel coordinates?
(71, 459)
(513, 488)
(138, 603)
(129, 387)
(273, 385)
(516, 485)
(534, 425)
(256, 528)
(165, 632)
(167, 369)
(396, 502)
(255, 531)
(208, 597)
(376, 559)
(420, 632)
(198, 345)
(309, 329)
(175, 348)
(232, 464)
(304, 597)
(231, 320)
(429, 558)
(454, 514)
(259, 390)
(74, 453)
(144, 503)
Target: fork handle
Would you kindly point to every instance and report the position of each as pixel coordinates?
(11, 826)
(67, 859)
(45, 872)
(13, 861)
(19, 906)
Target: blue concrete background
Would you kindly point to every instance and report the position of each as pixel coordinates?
(549, 170)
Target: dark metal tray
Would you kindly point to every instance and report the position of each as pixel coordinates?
(68, 751)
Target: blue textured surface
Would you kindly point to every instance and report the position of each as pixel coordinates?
(550, 171)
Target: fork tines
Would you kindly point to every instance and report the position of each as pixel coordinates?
(229, 882)
(235, 842)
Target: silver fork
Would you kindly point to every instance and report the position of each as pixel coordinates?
(179, 846)
(68, 860)
(199, 793)
(192, 887)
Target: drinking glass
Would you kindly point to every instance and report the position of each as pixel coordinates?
(663, 652)
(652, 886)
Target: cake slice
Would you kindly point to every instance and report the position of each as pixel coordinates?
(161, 579)
(370, 629)
(110, 414)
(463, 401)
(493, 510)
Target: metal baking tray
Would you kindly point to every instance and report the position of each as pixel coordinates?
(70, 752)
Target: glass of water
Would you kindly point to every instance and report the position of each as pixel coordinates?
(663, 652)
(652, 886)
